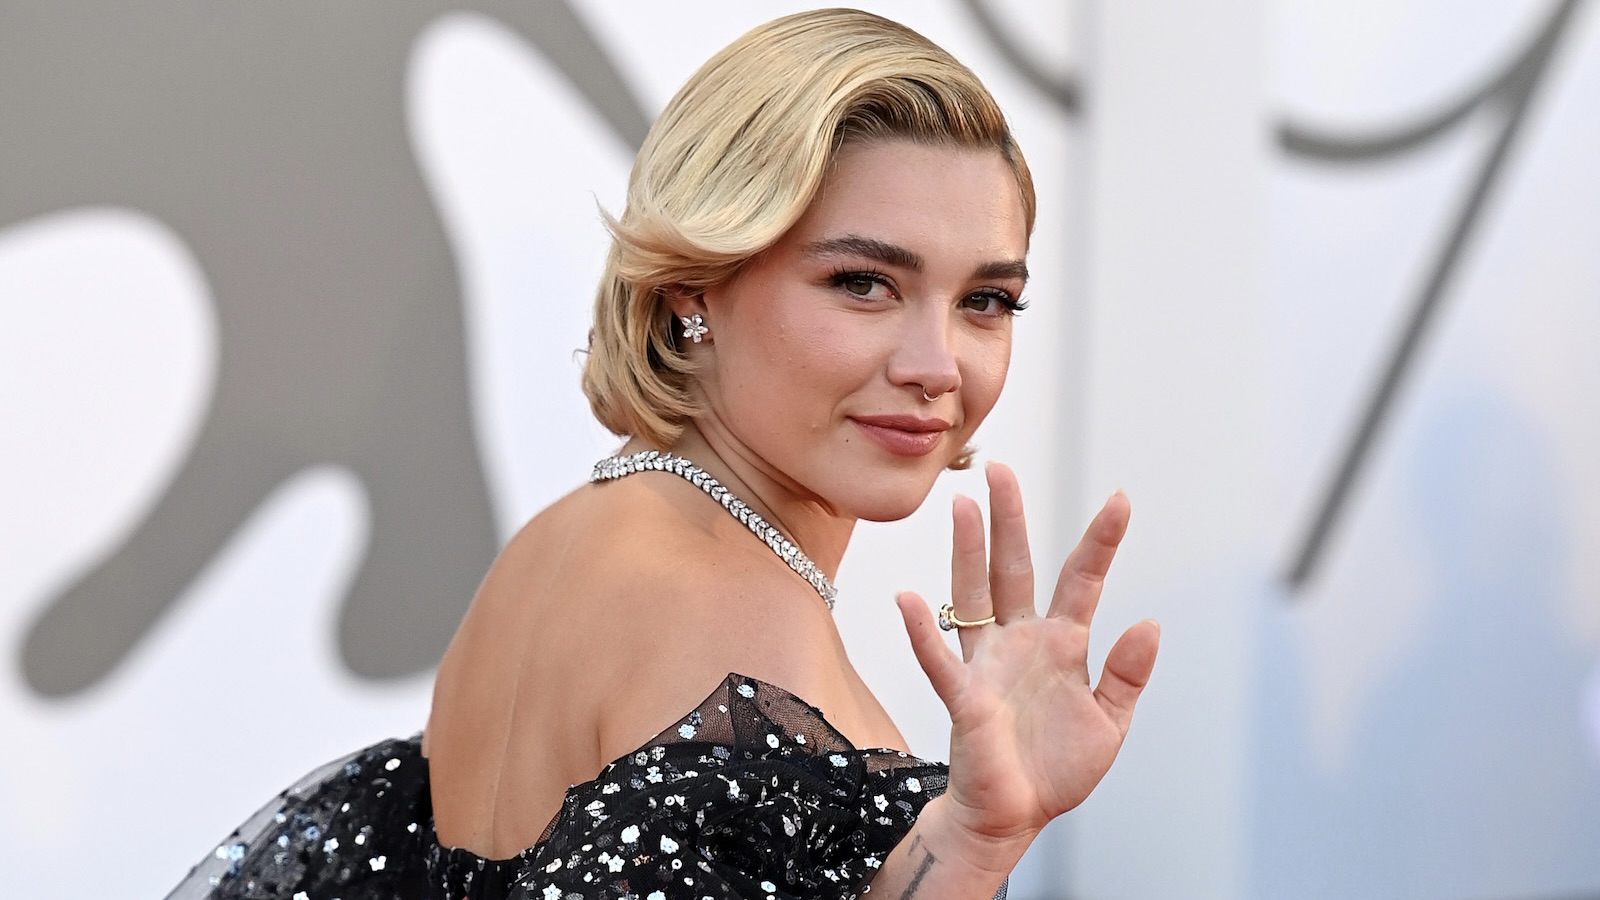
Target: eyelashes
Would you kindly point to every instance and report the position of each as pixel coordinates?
(861, 283)
(1013, 305)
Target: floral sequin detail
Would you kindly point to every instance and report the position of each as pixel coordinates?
(751, 795)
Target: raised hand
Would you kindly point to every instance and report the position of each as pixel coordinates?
(1030, 736)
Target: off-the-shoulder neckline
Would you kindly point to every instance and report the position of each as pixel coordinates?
(730, 682)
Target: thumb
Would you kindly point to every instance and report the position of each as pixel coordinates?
(1127, 671)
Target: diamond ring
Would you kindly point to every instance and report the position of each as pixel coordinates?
(949, 622)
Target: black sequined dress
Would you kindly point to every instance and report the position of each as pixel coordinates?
(752, 795)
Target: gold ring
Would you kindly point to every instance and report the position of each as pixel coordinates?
(949, 622)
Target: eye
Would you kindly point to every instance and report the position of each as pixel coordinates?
(861, 284)
(993, 302)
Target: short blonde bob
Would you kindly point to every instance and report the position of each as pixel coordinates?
(733, 162)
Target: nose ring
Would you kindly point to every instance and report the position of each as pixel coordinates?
(928, 398)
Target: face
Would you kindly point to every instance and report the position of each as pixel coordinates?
(899, 283)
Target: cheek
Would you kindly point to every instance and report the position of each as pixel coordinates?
(985, 377)
(786, 374)
(825, 349)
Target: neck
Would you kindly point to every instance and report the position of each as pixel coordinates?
(806, 519)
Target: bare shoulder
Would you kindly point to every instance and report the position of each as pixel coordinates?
(622, 606)
(680, 594)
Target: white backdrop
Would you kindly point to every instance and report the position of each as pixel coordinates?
(1418, 719)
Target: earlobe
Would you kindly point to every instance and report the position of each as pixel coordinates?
(688, 320)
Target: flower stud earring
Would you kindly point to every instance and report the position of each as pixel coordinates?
(694, 327)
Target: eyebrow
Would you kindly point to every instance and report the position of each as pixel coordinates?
(900, 257)
(871, 248)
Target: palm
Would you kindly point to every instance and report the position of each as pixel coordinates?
(1030, 736)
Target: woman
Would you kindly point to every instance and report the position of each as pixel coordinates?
(806, 314)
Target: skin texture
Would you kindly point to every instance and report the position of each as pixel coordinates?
(636, 597)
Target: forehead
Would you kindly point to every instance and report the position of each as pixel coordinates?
(931, 198)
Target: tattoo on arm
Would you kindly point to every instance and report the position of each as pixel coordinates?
(927, 862)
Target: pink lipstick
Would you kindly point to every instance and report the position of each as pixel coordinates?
(903, 435)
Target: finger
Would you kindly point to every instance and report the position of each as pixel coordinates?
(1083, 575)
(944, 671)
(1127, 671)
(1010, 563)
(969, 570)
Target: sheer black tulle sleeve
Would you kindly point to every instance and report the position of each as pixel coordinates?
(753, 795)
(354, 829)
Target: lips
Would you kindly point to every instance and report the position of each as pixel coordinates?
(903, 435)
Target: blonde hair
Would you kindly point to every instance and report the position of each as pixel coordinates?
(734, 161)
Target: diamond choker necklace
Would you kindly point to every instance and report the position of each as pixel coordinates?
(614, 467)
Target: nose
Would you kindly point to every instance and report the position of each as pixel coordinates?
(924, 360)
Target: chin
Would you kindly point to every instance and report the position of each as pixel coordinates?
(889, 503)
